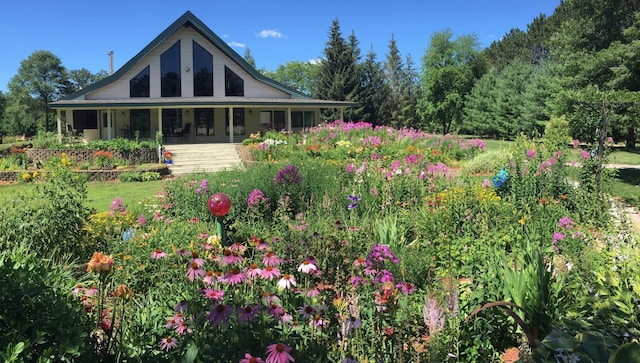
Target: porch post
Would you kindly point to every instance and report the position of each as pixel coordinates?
(160, 122)
(59, 123)
(109, 126)
(289, 120)
(230, 124)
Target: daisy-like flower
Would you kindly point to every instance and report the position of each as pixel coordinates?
(318, 322)
(183, 328)
(181, 306)
(279, 353)
(231, 257)
(313, 292)
(270, 259)
(77, 290)
(168, 343)
(406, 287)
(183, 252)
(238, 247)
(158, 254)
(213, 294)
(286, 282)
(307, 267)
(195, 272)
(249, 312)
(248, 358)
(195, 258)
(210, 277)
(219, 314)
(233, 277)
(262, 245)
(307, 311)
(269, 272)
(360, 261)
(91, 291)
(252, 271)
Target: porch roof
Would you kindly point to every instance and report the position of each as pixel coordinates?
(186, 102)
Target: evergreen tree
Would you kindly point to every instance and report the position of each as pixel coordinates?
(408, 106)
(375, 91)
(396, 81)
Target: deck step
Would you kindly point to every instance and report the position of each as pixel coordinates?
(203, 158)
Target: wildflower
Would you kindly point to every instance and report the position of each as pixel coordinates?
(213, 294)
(307, 311)
(183, 252)
(91, 291)
(209, 277)
(432, 315)
(100, 263)
(77, 290)
(486, 183)
(124, 292)
(278, 353)
(158, 254)
(168, 343)
(248, 358)
(531, 154)
(269, 272)
(195, 258)
(238, 247)
(558, 236)
(141, 221)
(117, 205)
(350, 359)
(406, 287)
(256, 198)
(219, 314)
(354, 201)
(318, 322)
(231, 257)
(233, 277)
(286, 282)
(356, 281)
(565, 222)
(312, 292)
(288, 175)
(195, 272)
(249, 312)
(360, 261)
(307, 267)
(252, 271)
(270, 259)
(182, 327)
(585, 155)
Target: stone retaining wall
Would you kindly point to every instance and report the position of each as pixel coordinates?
(94, 175)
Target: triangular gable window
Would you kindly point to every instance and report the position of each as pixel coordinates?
(139, 85)
(233, 84)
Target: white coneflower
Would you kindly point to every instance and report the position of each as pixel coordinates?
(286, 282)
(307, 267)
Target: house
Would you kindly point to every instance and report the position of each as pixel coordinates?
(191, 86)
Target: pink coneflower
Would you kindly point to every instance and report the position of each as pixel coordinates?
(195, 272)
(360, 261)
(78, 289)
(195, 258)
(286, 282)
(210, 277)
(231, 257)
(313, 292)
(279, 353)
(275, 310)
(168, 343)
(369, 271)
(252, 271)
(307, 267)
(270, 259)
(406, 287)
(262, 245)
(91, 291)
(307, 311)
(158, 254)
(219, 314)
(318, 322)
(213, 294)
(183, 327)
(171, 322)
(248, 358)
(183, 252)
(238, 247)
(233, 277)
(249, 312)
(269, 272)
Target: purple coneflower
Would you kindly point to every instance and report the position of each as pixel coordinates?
(233, 277)
(270, 259)
(231, 257)
(248, 358)
(307, 267)
(213, 294)
(195, 272)
(249, 312)
(252, 271)
(219, 314)
(279, 353)
(158, 254)
(168, 343)
(269, 272)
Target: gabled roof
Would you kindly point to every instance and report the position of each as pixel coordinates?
(188, 19)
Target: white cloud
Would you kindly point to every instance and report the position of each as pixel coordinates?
(270, 33)
(233, 43)
(315, 60)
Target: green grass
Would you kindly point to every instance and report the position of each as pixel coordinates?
(99, 194)
(626, 185)
(622, 156)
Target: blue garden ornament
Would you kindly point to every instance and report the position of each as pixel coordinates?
(500, 179)
(128, 234)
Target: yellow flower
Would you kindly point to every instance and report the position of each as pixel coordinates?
(26, 176)
(522, 221)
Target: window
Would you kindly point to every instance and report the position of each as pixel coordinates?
(275, 120)
(141, 122)
(170, 72)
(139, 85)
(171, 121)
(85, 119)
(238, 121)
(203, 118)
(202, 71)
(301, 119)
(233, 84)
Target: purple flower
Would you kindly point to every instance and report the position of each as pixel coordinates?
(256, 197)
(117, 205)
(566, 223)
(558, 236)
(433, 315)
(354, 201)
(531, 154)
(288, 175)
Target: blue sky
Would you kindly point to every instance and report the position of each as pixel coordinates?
(80, 32)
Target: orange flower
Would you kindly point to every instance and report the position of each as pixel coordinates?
(100, 263)
(543, 201)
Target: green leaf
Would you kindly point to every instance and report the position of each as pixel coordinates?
(627, 353)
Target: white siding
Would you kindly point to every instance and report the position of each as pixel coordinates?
(120, 88)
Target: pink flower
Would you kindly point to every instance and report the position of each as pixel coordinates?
(195, 272)
(168, 343)
(213, 294)
(219, 314)
(406, 287)
(360, 261)
(269, 273)
(182, 327)
(248, 358)
(158, 254)
(307, 311)
(306, 267)
(233, 277)
(565, 222)
(91, 291)
(531, 154)
(238, 247)
(286, 282)
(210, 277)
(270, 259)
(278, 353)
(77, 290)
(231, 257)
(558, 236)
(249, 312)
(252, 271)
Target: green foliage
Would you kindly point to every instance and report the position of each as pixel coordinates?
(137, 176)
(37, 309)
(118, 143)
(556, 134)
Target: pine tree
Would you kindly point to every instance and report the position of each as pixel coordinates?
(375, 91)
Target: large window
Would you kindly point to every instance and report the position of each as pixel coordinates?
(171, 121)
(85, 119)
(203, 117)
(202, 71)
(275, 120)
(301, 119)
(141, 122)
(139, 85)
(170, 72)
(233, 84)
(238, 121)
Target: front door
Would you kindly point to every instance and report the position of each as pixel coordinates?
(107, 122)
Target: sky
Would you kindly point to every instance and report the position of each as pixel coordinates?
(81, 32)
